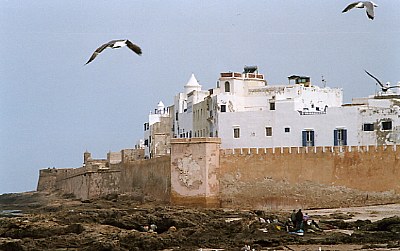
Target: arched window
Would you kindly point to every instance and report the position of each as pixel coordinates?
(227, 86)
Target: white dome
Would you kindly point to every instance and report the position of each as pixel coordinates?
(160, 105)
(192, 85)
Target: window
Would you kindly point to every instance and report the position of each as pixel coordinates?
(340, 137)
(367, 127)
(236, 133)
(227, 86)
(146, 142)
(176, 116)
(272, 106)
(287, 129)
(308, 138)
(387, 125)
(223, 108)
(268, 131)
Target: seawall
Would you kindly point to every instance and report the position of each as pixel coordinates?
(198, 172)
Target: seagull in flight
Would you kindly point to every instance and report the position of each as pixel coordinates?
(384, 88)
(115, 44)
(368, 5)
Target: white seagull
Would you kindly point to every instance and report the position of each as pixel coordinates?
(116, 44)
(368, 5)
(384, 88)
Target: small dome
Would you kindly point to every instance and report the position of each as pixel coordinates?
(160, 105)
(192, 85)
(192, 82)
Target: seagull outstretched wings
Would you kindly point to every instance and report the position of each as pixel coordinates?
(383, 87)
(115, 44)
(368, 5)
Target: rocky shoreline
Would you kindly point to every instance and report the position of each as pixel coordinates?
(41, 221)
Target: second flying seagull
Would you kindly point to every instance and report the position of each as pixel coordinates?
(368, 5)
(384, 88)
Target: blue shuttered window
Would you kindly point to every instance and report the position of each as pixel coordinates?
(340, 137)
(308, 138)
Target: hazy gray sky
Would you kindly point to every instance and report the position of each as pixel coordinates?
(53, 108)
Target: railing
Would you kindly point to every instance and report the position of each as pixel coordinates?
(239, 75)
(312, 113)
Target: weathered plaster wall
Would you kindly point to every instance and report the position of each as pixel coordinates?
(309, 177)
(147, 178)
(195, 171)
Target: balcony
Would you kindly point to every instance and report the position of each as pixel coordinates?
(311, 113)
(231, 75)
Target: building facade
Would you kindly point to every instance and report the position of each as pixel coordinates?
(245, 111)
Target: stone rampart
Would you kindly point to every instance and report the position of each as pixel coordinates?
(309, 176)
(147, 178)
(88, 183)
(198, 172)
(48, 177)
(98, 178)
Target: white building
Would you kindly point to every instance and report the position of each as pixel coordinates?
(244, 111)
(184, 103)
(157, 132)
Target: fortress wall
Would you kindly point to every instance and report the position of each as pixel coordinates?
(199, 172)
(47, 179)
(76, 183)
(128, 155)
(309, 176)
(147, 178)
(86, 183)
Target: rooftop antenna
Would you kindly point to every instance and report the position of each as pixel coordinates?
(323, 81)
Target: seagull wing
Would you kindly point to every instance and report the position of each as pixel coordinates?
(369, 9)
(98, 51)
(349, 7)
(377, 80)
(134, 47)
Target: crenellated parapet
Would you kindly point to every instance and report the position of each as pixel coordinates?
(310, 150)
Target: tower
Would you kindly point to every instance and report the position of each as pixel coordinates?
(86, 156)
